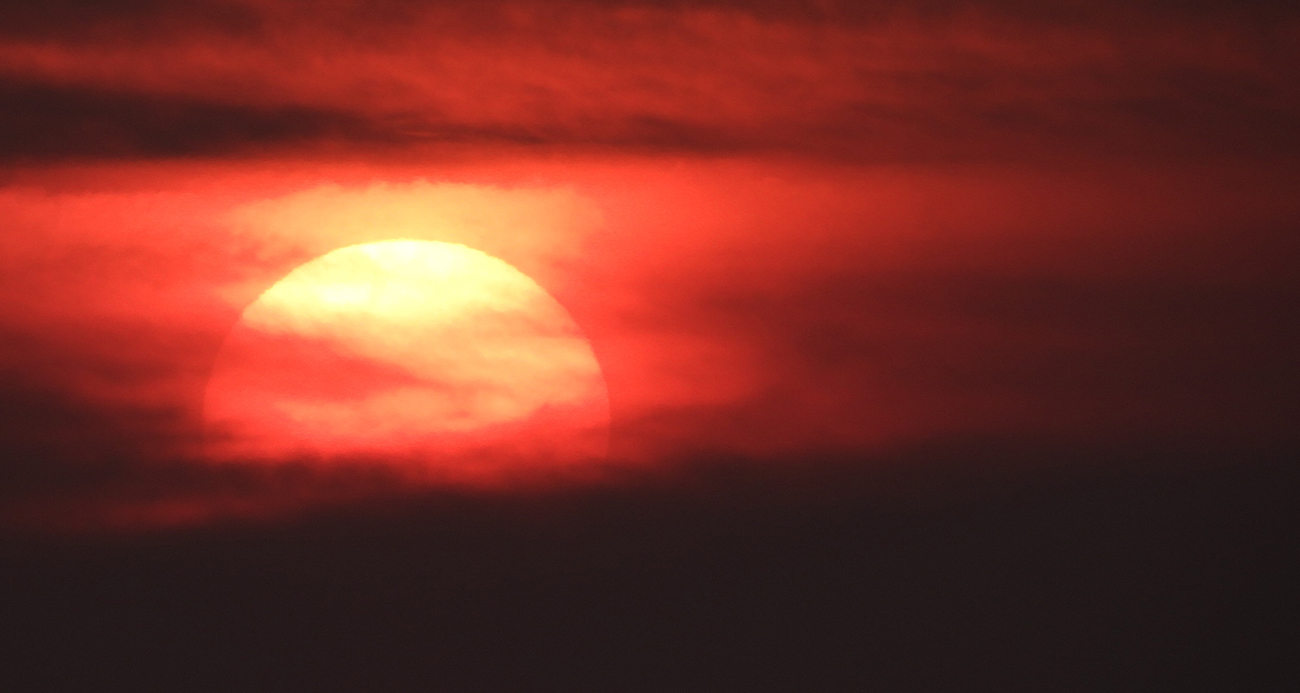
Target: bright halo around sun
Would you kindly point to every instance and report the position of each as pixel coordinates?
(432, 359)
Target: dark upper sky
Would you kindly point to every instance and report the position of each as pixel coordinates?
(883, 82)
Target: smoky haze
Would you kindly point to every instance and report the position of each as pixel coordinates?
(948, 346)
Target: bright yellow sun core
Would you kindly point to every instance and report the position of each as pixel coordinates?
(432, 357)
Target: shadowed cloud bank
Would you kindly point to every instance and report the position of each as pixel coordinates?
(895, 82)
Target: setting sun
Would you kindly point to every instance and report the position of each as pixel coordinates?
(432, 358)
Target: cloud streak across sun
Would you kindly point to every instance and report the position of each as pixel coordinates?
(429, 356)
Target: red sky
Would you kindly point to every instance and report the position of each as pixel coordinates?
(791, 231)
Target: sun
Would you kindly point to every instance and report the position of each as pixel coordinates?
(430, 358)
